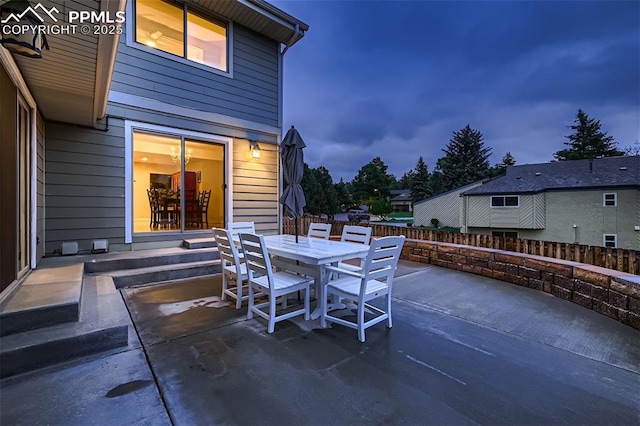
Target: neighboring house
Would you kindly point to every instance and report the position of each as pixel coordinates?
(447, 207)
(592, 202)
(176, 103)
(400, 200)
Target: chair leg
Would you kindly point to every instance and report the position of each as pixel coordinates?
(389, 323)
(361, 322)
(224, 287)
(250, 307)
(323, 311)
(239, 293)
(306, 303)
(272, 314)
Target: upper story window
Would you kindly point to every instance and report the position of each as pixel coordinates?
(175, 28)
(610, 199)
(505, 201)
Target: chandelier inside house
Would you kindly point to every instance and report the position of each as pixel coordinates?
(177, 154)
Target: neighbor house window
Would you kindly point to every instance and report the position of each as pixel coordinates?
(504, 234)
(161, 25)
(610, 240)
(505, 201)
(610, 199)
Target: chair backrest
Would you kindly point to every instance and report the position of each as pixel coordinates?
(153, 198)
(241, 227)
(226, 247)
(256, 256)
(319, 230)
(204, 200)
(382, 259)
(356, 234)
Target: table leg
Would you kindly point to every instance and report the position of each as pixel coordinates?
(321, 279)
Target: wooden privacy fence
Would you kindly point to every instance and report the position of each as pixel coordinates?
(622, 260)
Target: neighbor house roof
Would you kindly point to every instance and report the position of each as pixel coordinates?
(565, 175)
(402, 196)
(442, 194)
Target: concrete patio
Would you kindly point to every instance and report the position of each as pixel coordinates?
(464, 349)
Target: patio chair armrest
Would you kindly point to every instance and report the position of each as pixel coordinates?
(344, 271)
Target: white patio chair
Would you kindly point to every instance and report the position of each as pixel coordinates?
(366, 285)
(355, 234)
(233, 268)
(319, 230)
(245, 227)
(273, 284)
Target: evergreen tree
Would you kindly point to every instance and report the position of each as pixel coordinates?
(405, 180)
(344, 193)
(319, 191)
(420, 182)
(587, 141)
(372, 181)
(466, 159)
(501, 167)
(436, 183)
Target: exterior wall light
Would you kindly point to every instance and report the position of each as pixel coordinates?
(255, 149)
(27, 42)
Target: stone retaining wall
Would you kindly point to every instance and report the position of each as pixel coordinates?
(612, 293)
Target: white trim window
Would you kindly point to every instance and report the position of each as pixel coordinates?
(610, 240)
(167, 27)
(610, 199)
(504, 234)
(505, 201)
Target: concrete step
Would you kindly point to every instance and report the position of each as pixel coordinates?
(104, 324)
(199, 243)
(135, 261)
(160, 274)
(47, 297)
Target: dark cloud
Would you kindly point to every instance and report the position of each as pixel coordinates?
(395, 79)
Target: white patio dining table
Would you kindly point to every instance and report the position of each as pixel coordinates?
(309, 256)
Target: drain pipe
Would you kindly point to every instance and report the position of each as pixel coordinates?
(296, 32)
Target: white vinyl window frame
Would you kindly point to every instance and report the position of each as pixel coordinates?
(131, 42)
(610, 239)
(504, 201)
(609, 197)
(132, 126)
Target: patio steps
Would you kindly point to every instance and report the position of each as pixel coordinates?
(199, 243)
(68, 310)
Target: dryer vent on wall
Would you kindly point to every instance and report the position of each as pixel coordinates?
(69, 248)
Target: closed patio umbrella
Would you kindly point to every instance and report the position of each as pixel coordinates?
(292, 170)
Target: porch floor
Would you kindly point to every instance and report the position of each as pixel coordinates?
(464, 349)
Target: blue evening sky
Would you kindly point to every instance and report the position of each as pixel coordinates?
(394, 79)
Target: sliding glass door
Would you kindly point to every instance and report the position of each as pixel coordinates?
(24, 186)
(178, 183)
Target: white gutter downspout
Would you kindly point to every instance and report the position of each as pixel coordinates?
(296, 32)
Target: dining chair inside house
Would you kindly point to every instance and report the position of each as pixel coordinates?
(154, 208)
(203, 208)
(191, 208)
(263, 279)
(319, 230)
(375, 280)
(234, 270)
(354, 234)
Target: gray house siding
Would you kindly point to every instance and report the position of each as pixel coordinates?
(529, 214)
(564, 209)
(84, 192)
(40, 191)
(251, 94)
(445, 207)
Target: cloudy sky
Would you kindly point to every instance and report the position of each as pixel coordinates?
(394, 79)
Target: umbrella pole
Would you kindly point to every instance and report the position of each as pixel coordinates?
(296, 228)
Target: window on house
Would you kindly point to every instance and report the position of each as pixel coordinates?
(504, 234)
(505, 201)
(610, 240)
(609, 199)
(162, 25)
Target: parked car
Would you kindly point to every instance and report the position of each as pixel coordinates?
(357, 215)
